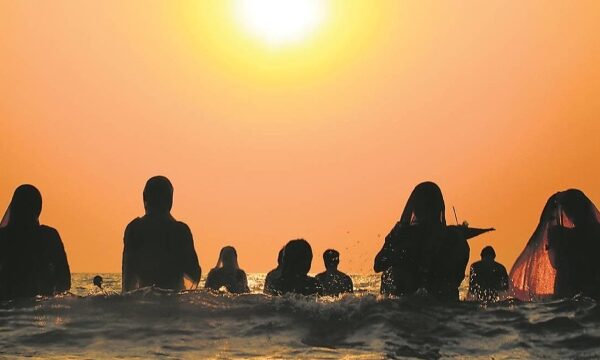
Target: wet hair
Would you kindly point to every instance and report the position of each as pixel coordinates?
(280, 257)
(578, 207)
(228, 255)
(297, 257)
(488, 252)
(98, 281)
(331, 257)
(25, 206)
(158, 195)
(425, 205)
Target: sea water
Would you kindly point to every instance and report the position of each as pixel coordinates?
(155, 323)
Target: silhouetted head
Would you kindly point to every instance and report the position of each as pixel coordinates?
(228, 258)
(98, 281)
(297, 257)
(577, 207)
(25, 207)
(331, 258)
(425, 205)
(280, 257)
(158, 195)
(488, 253)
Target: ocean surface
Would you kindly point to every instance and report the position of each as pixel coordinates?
(154, 323)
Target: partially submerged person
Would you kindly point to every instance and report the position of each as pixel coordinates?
(422, 252)
(32, 256)
(159, 250)
(561, 257)
(333, 281)
(296, 262)
(227, 273)
(487, 278)
(98, 281)
(273, 275)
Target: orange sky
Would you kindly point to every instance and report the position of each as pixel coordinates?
(496, 101)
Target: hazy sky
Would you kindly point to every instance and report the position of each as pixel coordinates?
(496, 101)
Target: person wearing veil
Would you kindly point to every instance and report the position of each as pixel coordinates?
(159, 250)
(227, 273)
(32, 256)
(296, 262)
(561, 257)
(273, 275)
(422, 252)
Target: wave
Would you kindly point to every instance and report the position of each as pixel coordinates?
(152, 322)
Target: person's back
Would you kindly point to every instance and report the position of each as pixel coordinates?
(235, 281)
(487, 277)
(159, 250)
(227, 273)
(32, 256)
(333, 281)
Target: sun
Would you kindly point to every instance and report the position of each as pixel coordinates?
(280, 22)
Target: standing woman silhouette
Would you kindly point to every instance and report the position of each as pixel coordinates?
(32, 256)
(422, 251)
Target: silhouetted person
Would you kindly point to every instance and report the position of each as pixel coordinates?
(273, 275)
(421, 251)
(574, 245)
(32, 256)
(487, 277)
(561, 257)
(333, 281)
(159, 250)
(297, 258)
(98, 281)
(227, 273)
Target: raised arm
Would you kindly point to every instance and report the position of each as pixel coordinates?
(385, 257)
(129, 276)
(61, 265)
(189, 258)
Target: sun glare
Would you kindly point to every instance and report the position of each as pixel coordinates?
(280, 22)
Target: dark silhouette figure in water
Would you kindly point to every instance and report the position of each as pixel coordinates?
(421, 251)
(98, 281)
(227, 273)
(297, 258)
(487, 277)
(32, 256)
(273, 275)
(561, 257)
(333, 281)
(159, 250)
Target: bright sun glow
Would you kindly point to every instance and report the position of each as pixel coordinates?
(280, 22)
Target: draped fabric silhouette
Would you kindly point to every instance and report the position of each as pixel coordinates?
(159, 250)
(227, 273)
(561, 257)
(32, 256)
(296, 262)
(421, 251)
